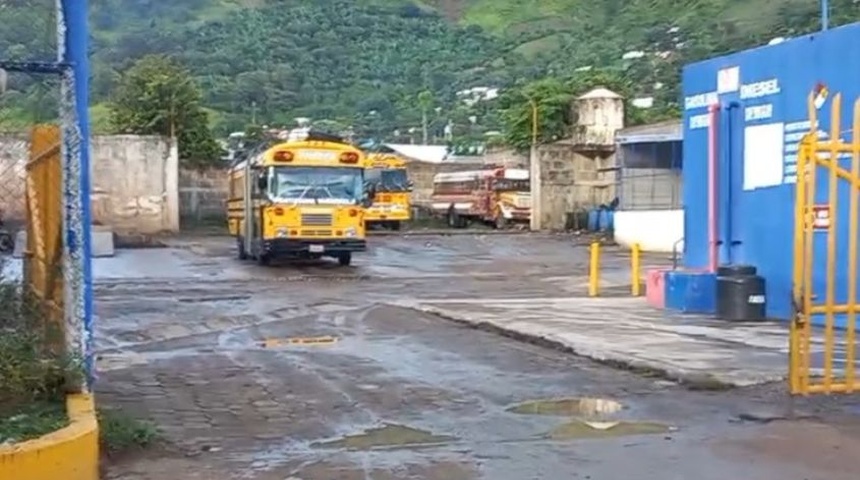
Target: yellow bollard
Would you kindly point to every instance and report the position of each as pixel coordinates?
(635, 267)
(594, 270)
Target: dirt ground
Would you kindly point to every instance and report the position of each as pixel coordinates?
(303, 372)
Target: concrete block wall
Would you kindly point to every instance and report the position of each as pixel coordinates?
(135, 181)
(203, 195)
(570, 180)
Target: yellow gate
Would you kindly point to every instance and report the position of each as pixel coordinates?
(44, 203)
(822, 359)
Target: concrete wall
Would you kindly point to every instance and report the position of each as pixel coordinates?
(202, 195)
(14, 150)
(599, 114)
(421, 174)
(570, 181)
(653, 230)
(135, 181)
(506, 158)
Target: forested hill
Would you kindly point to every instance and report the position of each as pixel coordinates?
(365, 61)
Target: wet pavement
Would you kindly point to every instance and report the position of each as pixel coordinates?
(309, 372)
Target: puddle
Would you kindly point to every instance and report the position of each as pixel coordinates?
(569, 407)
(579, 429)
(389, 435)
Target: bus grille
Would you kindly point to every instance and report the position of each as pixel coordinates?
(316, 219)
(523, 202)
(316, 233)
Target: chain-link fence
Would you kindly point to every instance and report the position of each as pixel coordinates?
(45, 320)
(650, 176)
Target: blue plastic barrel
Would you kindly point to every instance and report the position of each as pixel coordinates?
(593, 220)
(603, 220)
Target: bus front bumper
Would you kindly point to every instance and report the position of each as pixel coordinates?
(315, 247)
(382, 214)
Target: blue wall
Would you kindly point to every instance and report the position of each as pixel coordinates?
(756, 194)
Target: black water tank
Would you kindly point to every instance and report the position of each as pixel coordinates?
(740, 294)
(736, 270)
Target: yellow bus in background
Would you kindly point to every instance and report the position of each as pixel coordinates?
(301, 198)
(392, 203)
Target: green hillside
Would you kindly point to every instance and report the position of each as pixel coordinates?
(363, 62)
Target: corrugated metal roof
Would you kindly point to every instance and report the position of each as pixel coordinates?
(668, 131)
(422, 153)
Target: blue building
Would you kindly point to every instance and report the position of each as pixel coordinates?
(761, 97)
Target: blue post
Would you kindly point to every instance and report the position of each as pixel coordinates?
(75, 53)
(825, 15)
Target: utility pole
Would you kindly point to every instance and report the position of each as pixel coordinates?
(825, 15)
(424, 126)
(254, 112)
(534, 171)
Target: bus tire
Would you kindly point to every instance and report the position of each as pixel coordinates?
(263, 259)
(500, 222)
(241, 254)
(395, 225)
(344, 259)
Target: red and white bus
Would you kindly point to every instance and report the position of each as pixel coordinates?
(495, 195)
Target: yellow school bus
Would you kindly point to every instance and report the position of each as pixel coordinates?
(302, 198)
(391, 204)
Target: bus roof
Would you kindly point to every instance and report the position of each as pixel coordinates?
(385, 160)
(308, 153)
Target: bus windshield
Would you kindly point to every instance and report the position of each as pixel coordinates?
(317, 185)
(388, 180)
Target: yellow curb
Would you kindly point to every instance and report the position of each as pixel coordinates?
(71, 453)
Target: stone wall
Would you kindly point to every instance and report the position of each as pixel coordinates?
(570, 181)
(134, 178)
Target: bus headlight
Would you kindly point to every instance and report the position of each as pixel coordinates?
(349, 232)
(281, 233)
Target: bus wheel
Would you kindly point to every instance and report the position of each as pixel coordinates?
(241, 254)
(501, 222)
(395, 225)
(344, 259)
(263, 259)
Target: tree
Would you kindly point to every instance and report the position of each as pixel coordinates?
(553, 96)
(157, 96)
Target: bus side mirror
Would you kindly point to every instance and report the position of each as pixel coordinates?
(262, 182)
(409, 185)
(369, 193)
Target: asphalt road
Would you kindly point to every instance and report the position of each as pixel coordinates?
(303, 372)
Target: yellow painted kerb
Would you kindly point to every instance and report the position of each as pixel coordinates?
(71, 453)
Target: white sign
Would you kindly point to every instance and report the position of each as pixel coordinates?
(320, 155)
(728, 80)
(763, 155)
(760, 89)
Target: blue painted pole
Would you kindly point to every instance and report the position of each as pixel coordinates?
(76, 54)
(825, 14)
